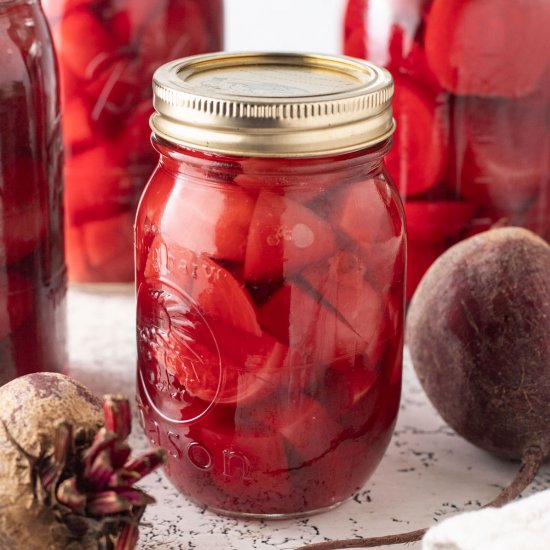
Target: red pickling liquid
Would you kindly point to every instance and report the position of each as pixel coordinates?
(269, 325)
(107, 52)
(472, 105)
(32, 268)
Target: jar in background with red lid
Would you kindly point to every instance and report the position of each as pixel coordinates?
(107, 52)
(472, 106)
(32, 266)
(270, 254)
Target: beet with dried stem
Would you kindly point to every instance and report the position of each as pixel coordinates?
(66, 482)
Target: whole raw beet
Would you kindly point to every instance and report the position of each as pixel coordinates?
(67, 474)
(29, 407)
(478, 329)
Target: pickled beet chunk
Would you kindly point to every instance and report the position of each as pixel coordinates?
(105, 246)
(216, 293)
(357, 309)
(408, 58)
(355, 32)
(369, 213)
(16, 301)
(284, 236)
(438, 221)
(289, 314)
(361, 412)
(365, 433)
(363, 212)
(21, 233)
(225, 465)
(162, 39)
(114, 85)
(134, 139)
(403, 53)
(313, 332)
(221, 363)
(85, 41)
(77, 125)
(209, 359)
(252, 366)
(137, 14)
(506, 148)
(98, 185)
(213, 12)
(25, 220)
(296, 178)
(419, 155)
(216, 218)
(342, 388)
(274, 314)
(57, 9)
(311, 317)
(294, 422)
(106, 67)
(489, 48)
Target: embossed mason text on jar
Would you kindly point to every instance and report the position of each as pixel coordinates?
(270, 254)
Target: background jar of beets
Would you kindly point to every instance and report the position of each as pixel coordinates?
(270, 280)
(32, 267)
(472, 106)
(107, 52)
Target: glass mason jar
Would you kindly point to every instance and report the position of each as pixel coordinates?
(472, 106)
(107, 52)
(32, 267)
(270, 280)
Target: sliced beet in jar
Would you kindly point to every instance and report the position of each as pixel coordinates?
(108, 51)
(33, 276)
(472, 106)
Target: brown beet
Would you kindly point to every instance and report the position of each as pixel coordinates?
(29, 407)
(478, 329)
(66, 482)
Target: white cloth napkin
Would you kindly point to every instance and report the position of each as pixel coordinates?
(521, 525)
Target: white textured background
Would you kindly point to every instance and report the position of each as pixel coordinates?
(283, 25)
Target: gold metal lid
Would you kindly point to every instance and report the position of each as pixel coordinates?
(272, 105)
